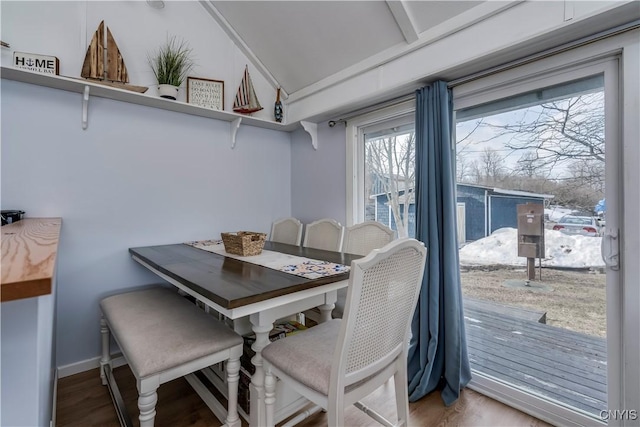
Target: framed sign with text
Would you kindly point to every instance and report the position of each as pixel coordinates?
(205, 93)
(44, 64)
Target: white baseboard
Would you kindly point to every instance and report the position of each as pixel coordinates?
(117, 360)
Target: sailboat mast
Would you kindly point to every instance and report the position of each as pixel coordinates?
(104, 53)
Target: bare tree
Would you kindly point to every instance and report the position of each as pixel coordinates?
(463, 168)
(562, 144)
(571, 193)
(528, 165)
(589, 174)
(466, 170)
(559, 132)
(391, 162)
(489, 168)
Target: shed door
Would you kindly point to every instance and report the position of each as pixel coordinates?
(461, 212)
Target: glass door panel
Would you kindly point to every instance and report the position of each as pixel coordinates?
(535, 303)
(389, 175)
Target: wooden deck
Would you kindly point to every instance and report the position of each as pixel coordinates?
(507, 310)
(565, 366)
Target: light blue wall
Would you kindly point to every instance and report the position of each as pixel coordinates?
(64, 29)
(318, 178)
(137, 176)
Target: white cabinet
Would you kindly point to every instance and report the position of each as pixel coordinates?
(29, 253)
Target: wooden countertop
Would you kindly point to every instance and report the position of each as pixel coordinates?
(29, 250)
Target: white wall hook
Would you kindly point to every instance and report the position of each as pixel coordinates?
(85, 108)
(234, 130)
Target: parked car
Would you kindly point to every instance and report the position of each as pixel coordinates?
(582, 225)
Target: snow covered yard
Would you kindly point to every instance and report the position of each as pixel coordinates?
(561, 250)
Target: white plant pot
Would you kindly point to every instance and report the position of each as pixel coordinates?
(168, 91)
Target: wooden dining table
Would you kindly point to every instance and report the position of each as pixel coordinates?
(241, 290)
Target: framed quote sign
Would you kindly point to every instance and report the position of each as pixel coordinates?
(205, 93)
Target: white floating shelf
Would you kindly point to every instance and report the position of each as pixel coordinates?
(87, 89)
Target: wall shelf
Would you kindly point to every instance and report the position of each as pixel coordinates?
(88, 89)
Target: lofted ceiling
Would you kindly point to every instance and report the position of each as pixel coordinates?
(300, 45)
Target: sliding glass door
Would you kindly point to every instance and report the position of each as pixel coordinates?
(538, 195)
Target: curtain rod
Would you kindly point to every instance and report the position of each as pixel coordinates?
(497, 69)
(546, 53)
(389, 103)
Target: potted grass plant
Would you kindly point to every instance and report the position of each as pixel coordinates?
(170, 64)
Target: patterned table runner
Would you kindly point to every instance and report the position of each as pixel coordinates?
(299, 266)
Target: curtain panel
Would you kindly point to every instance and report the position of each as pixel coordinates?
(438, 349)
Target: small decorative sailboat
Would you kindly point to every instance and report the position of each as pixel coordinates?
(99, 54)
(246, 100)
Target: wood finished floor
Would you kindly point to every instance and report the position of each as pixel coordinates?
(83, 401)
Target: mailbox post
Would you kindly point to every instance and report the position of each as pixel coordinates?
(531, 235)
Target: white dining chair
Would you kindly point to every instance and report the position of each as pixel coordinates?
(366, 236)
(324, 234)
(359, 239)
(287, 230)
(341, 361)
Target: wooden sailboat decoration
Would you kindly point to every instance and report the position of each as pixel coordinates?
(104, 64)
(246, 100)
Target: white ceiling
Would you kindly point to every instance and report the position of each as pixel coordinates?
(299, 44)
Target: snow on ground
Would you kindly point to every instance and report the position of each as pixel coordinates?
(561, 250)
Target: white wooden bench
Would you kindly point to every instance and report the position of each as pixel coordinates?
(163, 337)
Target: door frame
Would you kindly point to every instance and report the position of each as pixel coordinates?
(617, 59)
(461, 217)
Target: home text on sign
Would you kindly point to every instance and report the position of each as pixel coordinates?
(39, 63)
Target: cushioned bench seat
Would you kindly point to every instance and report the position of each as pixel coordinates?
(163, 336)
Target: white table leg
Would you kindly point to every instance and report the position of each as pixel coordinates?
(325, 312)
(326, 309)
(261, 327)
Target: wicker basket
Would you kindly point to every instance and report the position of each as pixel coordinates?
(243, 243)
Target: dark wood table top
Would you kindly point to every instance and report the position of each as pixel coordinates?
(231, 282)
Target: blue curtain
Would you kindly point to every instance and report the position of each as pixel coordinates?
(438, 348)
